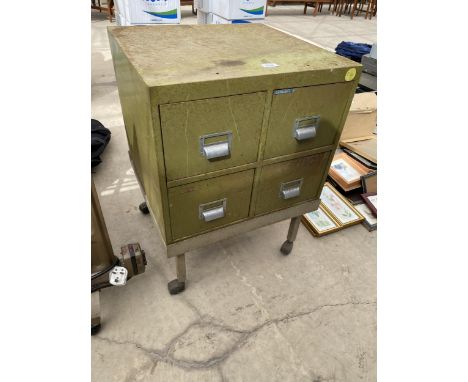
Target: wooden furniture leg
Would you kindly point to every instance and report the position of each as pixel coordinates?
(353, 9)
(335, 6)
(110, 4)
(178, 285)
(305, 8)
(287, 246)
(373, 11)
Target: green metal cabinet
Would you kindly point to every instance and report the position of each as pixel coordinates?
(230, 127)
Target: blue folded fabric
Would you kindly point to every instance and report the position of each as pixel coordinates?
(352, 50)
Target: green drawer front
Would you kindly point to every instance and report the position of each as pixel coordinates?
(288, 183)
(187, 203)
(326, 101)
(187, 126)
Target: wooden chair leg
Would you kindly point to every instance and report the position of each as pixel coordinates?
(305, 8)
(340, 12)
(353, 8)
(360, 6)
(110, 3)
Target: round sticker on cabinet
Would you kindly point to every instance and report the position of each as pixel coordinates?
(350, 74)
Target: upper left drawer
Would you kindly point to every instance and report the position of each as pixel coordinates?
(211, 134)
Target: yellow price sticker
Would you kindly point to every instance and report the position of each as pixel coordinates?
(350, 74)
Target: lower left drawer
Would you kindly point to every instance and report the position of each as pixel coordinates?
(209, 204)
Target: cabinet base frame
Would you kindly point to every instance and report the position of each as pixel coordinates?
(179, 248)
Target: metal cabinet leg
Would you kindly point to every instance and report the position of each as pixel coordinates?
(287, 246)
(95, 312)
(143, 207)
(178, 285)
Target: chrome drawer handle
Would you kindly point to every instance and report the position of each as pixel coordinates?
(291, 189)
(306, 127)
(212, 211)
(217, 149)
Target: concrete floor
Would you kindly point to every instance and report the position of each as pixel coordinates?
(249, 313)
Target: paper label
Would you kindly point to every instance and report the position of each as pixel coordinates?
(283, 91)
(350, 74)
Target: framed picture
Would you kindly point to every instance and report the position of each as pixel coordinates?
(370, 221)
(370, 199)
(369, 182)
(338, 207)
(346, 171)
(320, 222)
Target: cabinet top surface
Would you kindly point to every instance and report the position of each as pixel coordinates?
(179, 54)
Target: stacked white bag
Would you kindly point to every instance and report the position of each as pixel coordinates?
(135, 12)
(230, 11)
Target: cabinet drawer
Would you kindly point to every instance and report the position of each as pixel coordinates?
(202, 206)
(287, 183)
(305, 118)
(211, 134)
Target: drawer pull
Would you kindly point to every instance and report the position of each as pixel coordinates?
(306, 127)
(217, 149)
(212, 211)
(291, 189)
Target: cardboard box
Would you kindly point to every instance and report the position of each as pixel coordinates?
(362, 117)
(239, 9)
(151, 11)
(215, 19)
(358, 132)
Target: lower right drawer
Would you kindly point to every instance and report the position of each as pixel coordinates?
(287, 183)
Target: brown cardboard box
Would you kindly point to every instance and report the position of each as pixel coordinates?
(362, 117)
(359, 130)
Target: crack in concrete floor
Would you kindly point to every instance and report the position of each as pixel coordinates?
(166, 354)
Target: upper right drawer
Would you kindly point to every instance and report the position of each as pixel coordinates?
(305, 118)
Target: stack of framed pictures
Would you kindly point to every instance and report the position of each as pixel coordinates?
(370, 221)
(334, 213)
(347, 172)
(369, 182)
(370, 198)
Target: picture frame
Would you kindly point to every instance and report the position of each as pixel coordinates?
(369, 182)
(346, 171)
(338, 207)
(370, 198)
(320, 222)
(370, 221)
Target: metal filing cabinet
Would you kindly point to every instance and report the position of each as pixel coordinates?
(230, 127)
